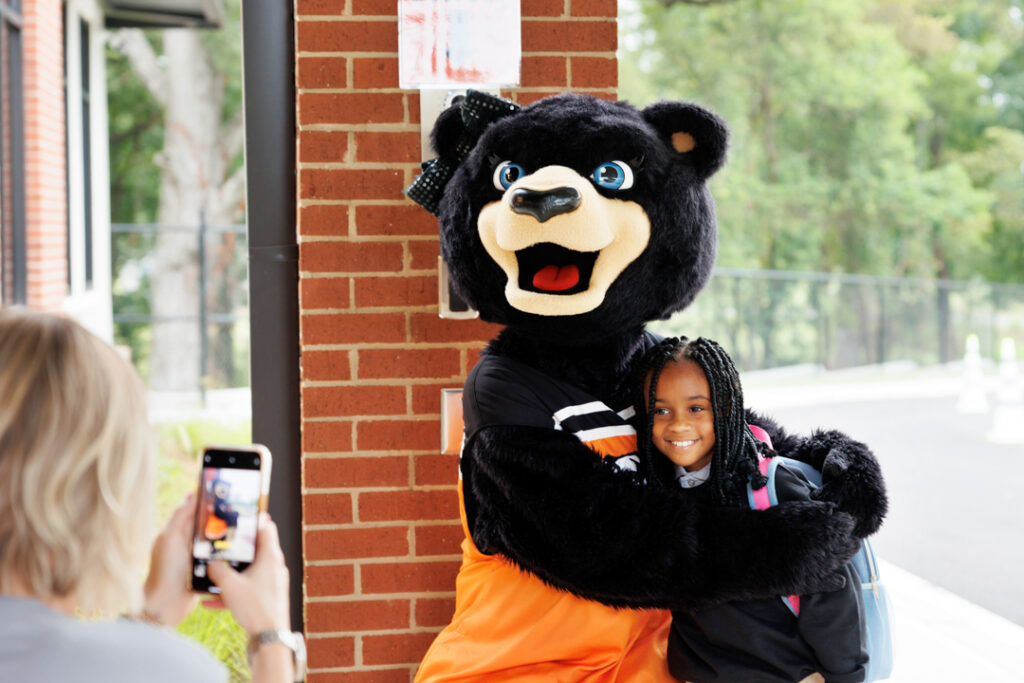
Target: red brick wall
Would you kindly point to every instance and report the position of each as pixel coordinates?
(379, 503)
(45, 194)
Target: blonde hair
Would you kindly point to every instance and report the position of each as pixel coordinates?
(77, 477)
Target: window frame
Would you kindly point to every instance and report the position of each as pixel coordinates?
(13, 247)
(87, 168)
(83, 24)
(268, 64)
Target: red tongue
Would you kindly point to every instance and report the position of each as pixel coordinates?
(556, 278)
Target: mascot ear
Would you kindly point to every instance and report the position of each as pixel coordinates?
(447, 132)
(693, 132)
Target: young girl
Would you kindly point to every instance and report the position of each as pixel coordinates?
(695, 422)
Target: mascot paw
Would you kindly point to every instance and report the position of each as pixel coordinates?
(852, 480)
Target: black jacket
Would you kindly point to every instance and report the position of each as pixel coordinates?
(761, 641)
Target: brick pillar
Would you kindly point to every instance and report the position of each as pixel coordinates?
(380, 511)
(45, 194)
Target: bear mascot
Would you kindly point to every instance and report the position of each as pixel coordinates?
(574, 221)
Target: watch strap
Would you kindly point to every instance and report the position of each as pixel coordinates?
(292, 640)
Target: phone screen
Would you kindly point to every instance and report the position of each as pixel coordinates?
(227, 511)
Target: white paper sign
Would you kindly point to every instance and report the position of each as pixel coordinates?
(458, 43)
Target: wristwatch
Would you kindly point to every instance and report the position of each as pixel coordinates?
(293, 640)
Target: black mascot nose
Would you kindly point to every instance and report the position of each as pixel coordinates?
(546, 204)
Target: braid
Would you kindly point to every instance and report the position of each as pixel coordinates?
(654, 468)
(736, 448)
(735, 457)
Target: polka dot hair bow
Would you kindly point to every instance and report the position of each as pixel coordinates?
(478, 110)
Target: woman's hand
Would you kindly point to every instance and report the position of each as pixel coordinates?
(167, 597)
(258, 596)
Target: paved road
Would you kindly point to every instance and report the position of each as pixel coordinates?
(956, 500)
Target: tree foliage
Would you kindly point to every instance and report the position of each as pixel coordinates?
(868, 137)
(136, 131)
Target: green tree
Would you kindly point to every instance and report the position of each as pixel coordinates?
(821, 97)
(976, 95)
(849, 123)
(972, 83)
(999, 166)
(136, 129)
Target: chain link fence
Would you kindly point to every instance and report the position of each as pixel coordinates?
(769, 319)
(181, 304)
(764, 318)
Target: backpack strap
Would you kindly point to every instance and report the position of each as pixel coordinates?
(760, 434)
(766, 497)
(763, 498)
(792, 603)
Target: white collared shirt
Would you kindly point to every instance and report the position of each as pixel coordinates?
(690, 480)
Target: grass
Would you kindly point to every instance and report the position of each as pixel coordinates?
(217, 630)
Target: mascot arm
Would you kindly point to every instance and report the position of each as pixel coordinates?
(547, 502)
(852, 478)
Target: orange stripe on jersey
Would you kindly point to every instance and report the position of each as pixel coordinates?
(613, 445)
(215, 527)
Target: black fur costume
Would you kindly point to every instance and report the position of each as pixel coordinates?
(612, 259)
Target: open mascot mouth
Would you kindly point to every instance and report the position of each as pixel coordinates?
(552, 269)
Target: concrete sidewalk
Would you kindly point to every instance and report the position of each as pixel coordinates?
(939, 637)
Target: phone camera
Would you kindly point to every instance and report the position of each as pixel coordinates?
(256, 461)
(207, 459)
(231, 460)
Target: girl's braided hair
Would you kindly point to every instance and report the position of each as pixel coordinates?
(735, 456)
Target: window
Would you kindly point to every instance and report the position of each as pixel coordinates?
(79, 88)
(12, 156)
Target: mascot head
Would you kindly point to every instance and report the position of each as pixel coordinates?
(574, 218)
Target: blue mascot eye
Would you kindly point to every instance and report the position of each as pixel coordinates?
(507, 173)
(613, 175)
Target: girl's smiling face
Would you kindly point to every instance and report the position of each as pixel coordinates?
(684, 428)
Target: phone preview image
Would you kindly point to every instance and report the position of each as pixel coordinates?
(228, 515)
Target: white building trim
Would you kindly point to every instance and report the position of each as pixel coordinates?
(89, 302)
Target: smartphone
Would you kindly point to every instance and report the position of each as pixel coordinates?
(234, 482)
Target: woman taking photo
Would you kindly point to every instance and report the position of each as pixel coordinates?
(77, 488)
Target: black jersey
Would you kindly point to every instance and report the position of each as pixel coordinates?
(504, 392)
